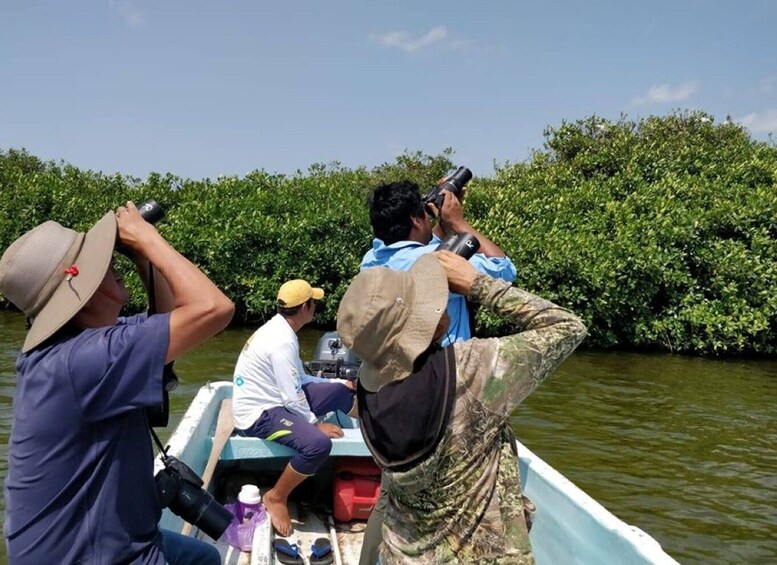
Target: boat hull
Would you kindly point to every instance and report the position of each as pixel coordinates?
(568, 527)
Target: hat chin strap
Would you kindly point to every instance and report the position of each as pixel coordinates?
(111, 296)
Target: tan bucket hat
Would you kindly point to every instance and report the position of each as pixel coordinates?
(388, 318)
(52, 271)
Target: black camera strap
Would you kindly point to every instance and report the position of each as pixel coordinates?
(159, 415)
(157, 441)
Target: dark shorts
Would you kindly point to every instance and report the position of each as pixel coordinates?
(328, 397)
(292, 430)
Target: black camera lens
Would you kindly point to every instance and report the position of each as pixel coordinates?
(462, 175)
(199, 508)
(179, 490)
(456, 182)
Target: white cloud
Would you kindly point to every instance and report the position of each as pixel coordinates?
(666, 93)
(403, 40)
(764, 122)
(437, 36)
(128, 12)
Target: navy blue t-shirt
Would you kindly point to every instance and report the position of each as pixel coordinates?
(80, 484)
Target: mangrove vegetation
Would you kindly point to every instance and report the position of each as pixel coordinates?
(660, 232)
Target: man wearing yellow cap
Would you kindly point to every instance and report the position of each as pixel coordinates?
(275, 399)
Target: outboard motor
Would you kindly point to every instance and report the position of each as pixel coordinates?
(333, 359)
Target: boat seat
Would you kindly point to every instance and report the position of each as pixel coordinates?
(239, 447)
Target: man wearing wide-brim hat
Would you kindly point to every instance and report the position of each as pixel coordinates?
(437, 420)
(80, 485)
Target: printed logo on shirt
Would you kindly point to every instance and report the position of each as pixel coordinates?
(240, 381)
(297, 383)
(287, 423)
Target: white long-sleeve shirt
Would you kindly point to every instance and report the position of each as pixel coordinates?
(269, 373)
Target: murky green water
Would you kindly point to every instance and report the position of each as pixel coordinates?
(685, 449)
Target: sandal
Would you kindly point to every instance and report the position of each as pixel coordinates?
(321, 552)
(287, 553)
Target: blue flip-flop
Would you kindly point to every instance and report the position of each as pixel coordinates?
(287, 553)
(321, 552)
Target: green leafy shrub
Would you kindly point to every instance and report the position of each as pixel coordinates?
(661, 232)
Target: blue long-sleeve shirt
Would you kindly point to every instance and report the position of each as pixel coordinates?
(401, 255)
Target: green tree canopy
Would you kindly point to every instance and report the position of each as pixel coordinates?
(660, 232)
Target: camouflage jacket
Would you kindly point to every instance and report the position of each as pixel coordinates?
(463, 504)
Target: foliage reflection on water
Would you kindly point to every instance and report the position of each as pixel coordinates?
(683, 448)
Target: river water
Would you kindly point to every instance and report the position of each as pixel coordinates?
(683, 448)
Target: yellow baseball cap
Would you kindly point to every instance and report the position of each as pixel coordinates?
(296, 292)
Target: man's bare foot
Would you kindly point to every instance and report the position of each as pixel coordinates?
(279, 513)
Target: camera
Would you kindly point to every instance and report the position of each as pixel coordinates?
(463, 244)
(454, 183)
(180, 490)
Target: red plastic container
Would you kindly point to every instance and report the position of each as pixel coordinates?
(357, 488)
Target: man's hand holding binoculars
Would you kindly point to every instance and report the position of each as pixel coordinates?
(135, 233)
(138, 235)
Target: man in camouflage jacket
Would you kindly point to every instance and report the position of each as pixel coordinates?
(437, 420)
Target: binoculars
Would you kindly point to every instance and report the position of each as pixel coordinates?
(151, 211)
(454, 183)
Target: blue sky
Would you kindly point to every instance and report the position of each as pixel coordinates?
(202, 89)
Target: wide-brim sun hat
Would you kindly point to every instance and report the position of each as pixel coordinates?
(51, 272)
(388, 318)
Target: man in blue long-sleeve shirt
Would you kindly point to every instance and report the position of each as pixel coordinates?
(403, 233)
